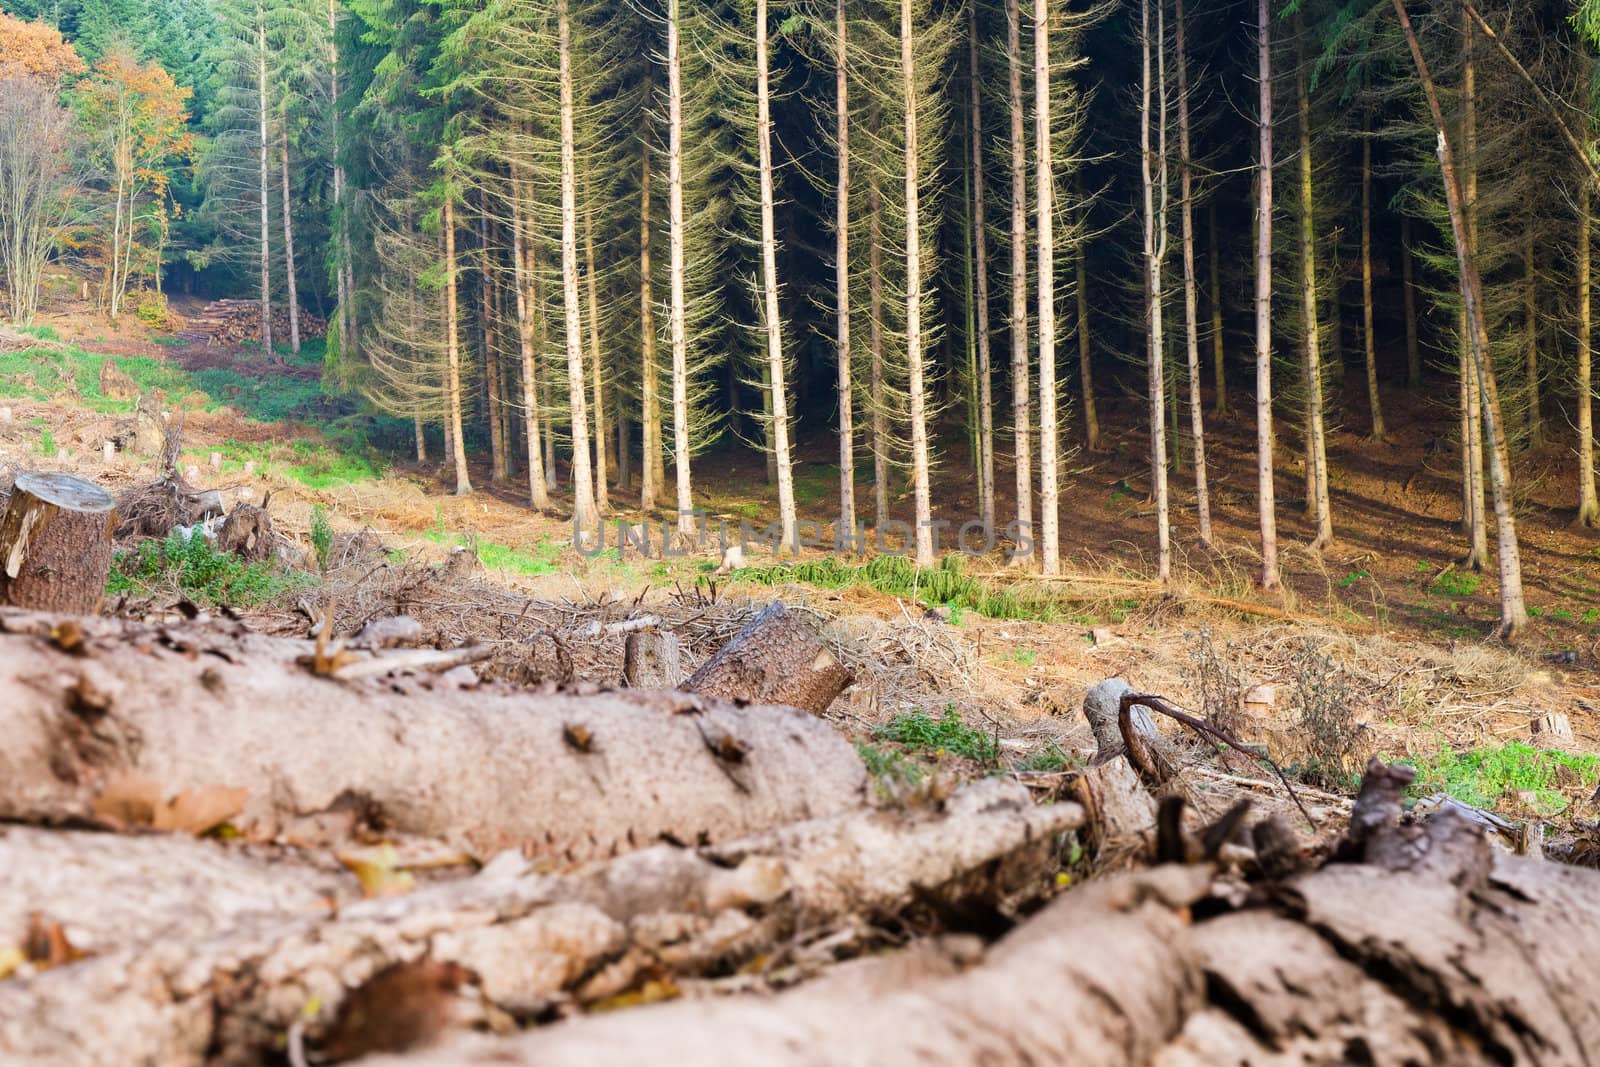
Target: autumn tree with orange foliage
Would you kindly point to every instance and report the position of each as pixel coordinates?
(138, 117)
(35, 50)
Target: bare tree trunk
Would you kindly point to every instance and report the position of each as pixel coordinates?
(1318, 506)
(1408, 270)
(602, 500)
(1191, 300)
(1530, 326)
(1588, 505)
(1218, 372)
(772, 322)
(584, 514)
(266, 228)
(1269, 521)
(921, 493)
(1368, 340)
(1513, 608)
(458, 449)
(288, 247)
(619, 417)
(491, 358)
(1044, 188)
(841, 266)
(1091, 416)
(527, 308)
(677, 325)
(1021, 388)
(880, 423)
(650, 468)
(1154, 252)
(422, 439)
(344, 269)
(980, 240)
(1473, 518)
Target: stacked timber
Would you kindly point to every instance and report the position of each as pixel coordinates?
(232, 322)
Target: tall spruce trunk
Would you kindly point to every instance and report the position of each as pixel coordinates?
(1473, 517)
(491, 355)
(452, 343)
(527, 308)
(650, 466)
(980, 241)
(922, 500)
(266, 223)
(602, 500)
(1513, 608)
(1530, 327)
(1588, 504)
(1091, 414)
(1318, 504)
(1191, 298)
(344, 269)
(584, 513)
(841, 267)
(1021, 386)
(677, 326)
(1409, 288)
(1264, 488)
(880, 421)
(288, 245)
(772, 323)
(1044, 189)
(1218, 371)
(1154, 297)
(1369, 342)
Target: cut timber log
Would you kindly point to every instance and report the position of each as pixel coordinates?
(55, 544)
(535, 941)
(652, 660)
(776, 659)
(563, 777)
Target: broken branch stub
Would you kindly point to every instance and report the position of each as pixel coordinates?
(55, 544)
(776, 659)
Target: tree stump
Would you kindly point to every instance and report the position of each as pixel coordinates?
(55, 544)
(776, 659)
(651, 660)
(247, 533)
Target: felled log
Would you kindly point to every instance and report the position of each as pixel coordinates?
(776, 659)
(55, 544)
(569, 778)
(534, 940)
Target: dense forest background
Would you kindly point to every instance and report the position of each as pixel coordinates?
(938, 231)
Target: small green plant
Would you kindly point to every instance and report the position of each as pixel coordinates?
(1457, 583)
(890, 770)
(1423, 567)
(1025, 656)
(47, 442)
(920, 732)
(1353, 577)
(191, 566)
(1592, 615)
(1049, 760)
(1534, 612)
(321, 536)
(1483, 777)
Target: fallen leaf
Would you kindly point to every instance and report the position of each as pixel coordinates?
(128, 800)
(379, 875)
(199, 811)
(46, 944)
(11, 957)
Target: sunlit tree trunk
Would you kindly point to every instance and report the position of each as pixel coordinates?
(1318, 506)
(650, 466)
(1264, 492)
(266, 223)
(841, 266)
(1191, 298)
(288, 247)
(602, 499)
(1218, 371)
(922, 501)
(527, 308)
(491, 357)
(584, 511)
(1368, 340)
(1588, 504)
(773, 324)
(452, 324)
(980, 240)
(677, 315)
(1154, 252)
(344, 270)
(1044, 182)
(1407, 269)
(880, 426)
(1021, 386)
(1513, 608)
(1474, 520)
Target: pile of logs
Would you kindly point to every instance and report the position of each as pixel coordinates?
(232, 322)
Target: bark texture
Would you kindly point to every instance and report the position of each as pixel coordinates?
(559, 776)
(55, 544)
(776, 659)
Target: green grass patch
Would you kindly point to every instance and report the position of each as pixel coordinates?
(201, 573)
(946, 583)
(498, 557)
(919, 732)
(1457, 583)
(1049, 761)
(1483, 777)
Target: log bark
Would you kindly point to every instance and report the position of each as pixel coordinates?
(652, 660)
(776, 659)
(247, 533)
(55, 544)
(564, 777)
(535, 940)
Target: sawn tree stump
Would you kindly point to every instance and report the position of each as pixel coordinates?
(55, 544)
(776, 659)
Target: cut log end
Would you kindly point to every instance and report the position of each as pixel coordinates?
(55, 544)
(777, 659)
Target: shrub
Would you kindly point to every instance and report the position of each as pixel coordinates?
(1324, 695)
(1484, 777)
(191, 566)
(321, 536)
(918, 731)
